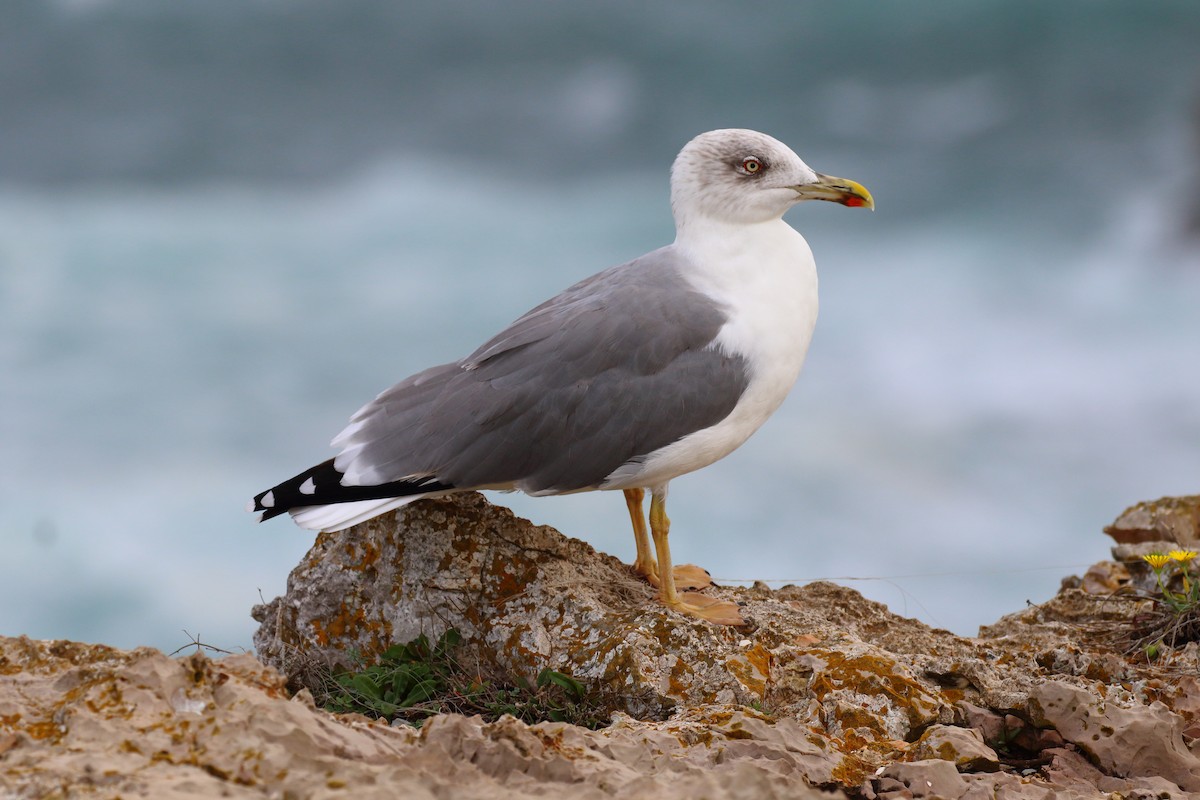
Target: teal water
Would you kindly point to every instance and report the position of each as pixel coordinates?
(224, 227)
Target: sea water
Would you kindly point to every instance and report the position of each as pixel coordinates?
(1008, 352)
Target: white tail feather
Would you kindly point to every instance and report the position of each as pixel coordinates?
(339, 516)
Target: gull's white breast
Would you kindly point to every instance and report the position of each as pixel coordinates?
(765, 278)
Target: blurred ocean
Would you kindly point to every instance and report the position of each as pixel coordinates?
(226, 225)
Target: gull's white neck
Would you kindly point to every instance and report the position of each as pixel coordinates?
(764, 277)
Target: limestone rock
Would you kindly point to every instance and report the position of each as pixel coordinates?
(962, 747)
(1105, 577)
(824, 694)
(529, 598)
(1138, 741)
(932, 778)
(990, 726)
(1170, 519)
(849, 688)
(88, 719)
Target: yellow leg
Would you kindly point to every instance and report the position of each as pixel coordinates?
(645, 565)
(687, 576)
(719, 612)
(660, 526)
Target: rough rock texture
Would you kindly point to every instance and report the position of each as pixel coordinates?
(90, 720)
(529, 598)
(1143, 741)
(963, 747)
(1169, 519)
(823, 694)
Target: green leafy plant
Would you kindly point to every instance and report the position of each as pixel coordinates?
(1174, 619)
(1166, 566)
(415, 680)
(406, 676)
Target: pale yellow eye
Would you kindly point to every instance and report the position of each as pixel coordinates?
(751, 165)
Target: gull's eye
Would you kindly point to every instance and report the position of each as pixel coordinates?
(751, 165)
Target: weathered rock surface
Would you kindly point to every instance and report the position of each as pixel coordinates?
(1144, 741)
(90, 720)
(963, 747)
(823, 694)
(1169, 519)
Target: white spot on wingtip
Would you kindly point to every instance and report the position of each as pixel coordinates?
(268, 500)
(250, 505)
(309, 486)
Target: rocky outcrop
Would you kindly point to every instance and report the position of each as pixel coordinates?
(822, 694)
(1173, 520)
(90, 720)
(527, 597)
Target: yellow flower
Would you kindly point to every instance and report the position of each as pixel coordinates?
(1157, 560)
(1183, 556)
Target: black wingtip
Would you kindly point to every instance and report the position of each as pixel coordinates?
(322, 485)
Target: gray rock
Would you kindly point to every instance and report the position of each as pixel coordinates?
(527, 598)
(844, 693)
(933, 779)
(1139, 741)
(962, 747)
(1170, 519)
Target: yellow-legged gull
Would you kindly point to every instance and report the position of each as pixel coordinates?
(626, 380)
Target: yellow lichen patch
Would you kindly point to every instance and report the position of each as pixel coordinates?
(947, 752)
(363, 553)
(852, 770)
(859, 727)
(349, 624)
(320, 546)
(752, 669)
(45, 730)
(760, 657)
(550, 741)
(952, 696)
(879, 680)
(677, 683)
(508, 584)
(107, 698)
(737, 731)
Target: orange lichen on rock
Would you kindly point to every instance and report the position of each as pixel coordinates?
(752, 668)
(859, 698)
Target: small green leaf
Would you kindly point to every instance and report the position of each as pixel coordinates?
(364, 683)
(420, 693)
(573, 687)
(394, 653)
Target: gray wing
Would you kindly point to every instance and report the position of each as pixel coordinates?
(614, 368)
